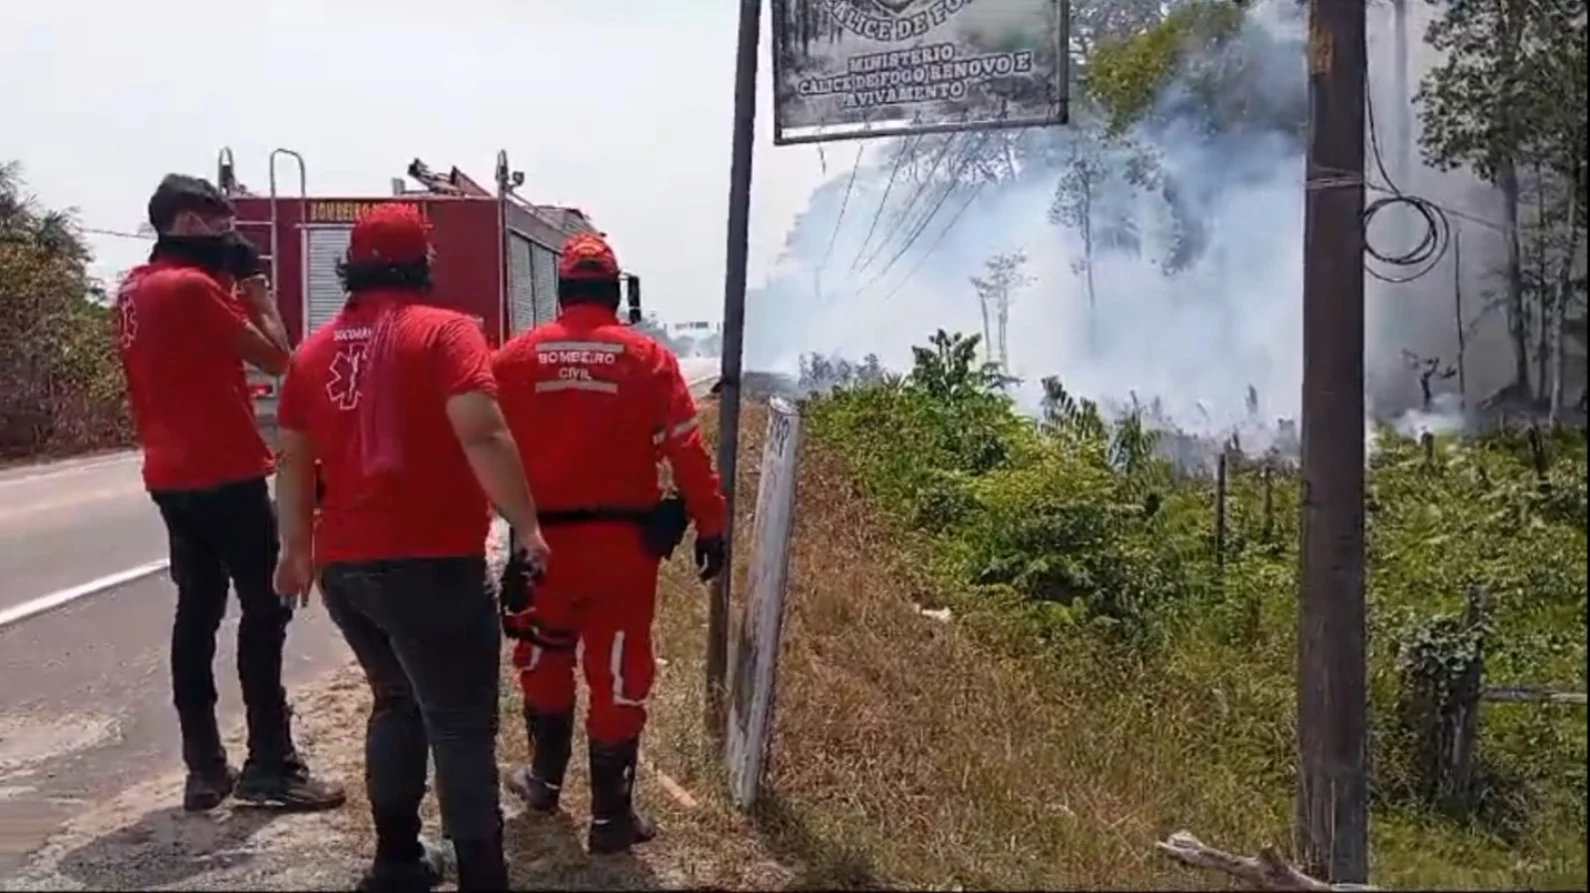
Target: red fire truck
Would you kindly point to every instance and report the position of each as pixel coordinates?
(495, 252)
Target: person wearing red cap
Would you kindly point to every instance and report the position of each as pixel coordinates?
(595, 406)
(186, 323)
(396, 400)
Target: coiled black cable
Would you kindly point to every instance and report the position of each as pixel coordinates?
(1431, 248)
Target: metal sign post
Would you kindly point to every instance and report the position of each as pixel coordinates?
(733, 343)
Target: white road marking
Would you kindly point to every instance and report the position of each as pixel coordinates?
(26, 475)
(92, 587)
(66, 596)
(132, 488)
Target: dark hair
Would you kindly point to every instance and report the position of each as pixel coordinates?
(414, 275)
(589, 291)
(178, 193)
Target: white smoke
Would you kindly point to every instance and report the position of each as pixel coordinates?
(1194, 341)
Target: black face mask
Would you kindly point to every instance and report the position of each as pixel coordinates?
(242, 258)
(230, 253)
(208, 253)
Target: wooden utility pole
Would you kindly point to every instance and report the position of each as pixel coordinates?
(1333, 814)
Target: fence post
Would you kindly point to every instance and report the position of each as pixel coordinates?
(1539, 457)
(1443, 670)
(1220, 514)
(1268, 529)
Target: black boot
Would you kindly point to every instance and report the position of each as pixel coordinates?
(288, 785)
(275, 775)
(210, 779)
(481, 864)
(206, 789)
(541, 783)
(615, 825)
(403, 861)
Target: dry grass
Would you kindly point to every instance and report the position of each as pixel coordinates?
(909, 751)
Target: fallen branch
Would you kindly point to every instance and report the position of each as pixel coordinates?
(1532, 693)
(1267, 872)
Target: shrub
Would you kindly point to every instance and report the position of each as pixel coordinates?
(1072, 527)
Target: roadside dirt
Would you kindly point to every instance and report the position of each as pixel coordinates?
(142, 840)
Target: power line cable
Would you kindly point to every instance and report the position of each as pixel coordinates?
(817, 274)
(1347, 178)
(920, 261)
(894, 171)
(899, 219)
(843, 204)
(17, 239)
(1431, 247)
(91, 230)
(955, 177)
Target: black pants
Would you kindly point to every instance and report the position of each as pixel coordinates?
(426, 632)
(222, 535)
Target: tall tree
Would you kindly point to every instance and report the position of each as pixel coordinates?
(60, 388)
(1506, 101)
(1004, 275)
(1096, 197)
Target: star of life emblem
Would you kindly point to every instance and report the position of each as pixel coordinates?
(345, 382)
(126, 322)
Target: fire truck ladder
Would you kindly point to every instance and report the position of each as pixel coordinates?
(303, 193)
(227, 180)
(265, 387)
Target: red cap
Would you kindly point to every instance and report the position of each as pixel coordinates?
(587, 256)
(391, 232)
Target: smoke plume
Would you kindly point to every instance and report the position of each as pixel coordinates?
(1194, 339)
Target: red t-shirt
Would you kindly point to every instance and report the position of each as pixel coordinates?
(177, 329)
(429, 504)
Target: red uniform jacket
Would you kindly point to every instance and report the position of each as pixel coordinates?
(594, 406)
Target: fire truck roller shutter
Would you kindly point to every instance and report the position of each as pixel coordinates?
(544, 266)
(521, 285)
(324, 248)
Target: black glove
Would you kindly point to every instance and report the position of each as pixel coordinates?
(709, 556)
(516, 589)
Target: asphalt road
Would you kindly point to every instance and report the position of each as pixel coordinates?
(84, 703)
(84, 694)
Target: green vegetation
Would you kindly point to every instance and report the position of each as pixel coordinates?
(1069, 540)
(1508, 101)
(60, 388)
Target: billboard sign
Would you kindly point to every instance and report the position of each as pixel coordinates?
(863, 68)
(756, 648)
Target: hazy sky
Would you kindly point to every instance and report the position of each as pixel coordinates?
(619, 107)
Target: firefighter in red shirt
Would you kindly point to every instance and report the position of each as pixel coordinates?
(595, 406)
(184, 337)
(395, 398)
